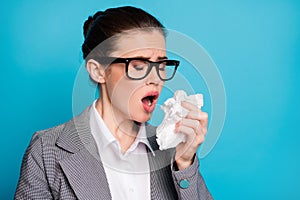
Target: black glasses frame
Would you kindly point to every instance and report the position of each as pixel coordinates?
(112, 60)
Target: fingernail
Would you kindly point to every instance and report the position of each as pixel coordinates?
(176, 129)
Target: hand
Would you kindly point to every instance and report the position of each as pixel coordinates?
(194, 126)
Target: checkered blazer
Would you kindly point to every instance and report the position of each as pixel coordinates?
(63, 163)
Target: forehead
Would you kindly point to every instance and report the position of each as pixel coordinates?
(140, 43)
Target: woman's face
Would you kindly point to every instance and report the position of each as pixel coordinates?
(135, 99)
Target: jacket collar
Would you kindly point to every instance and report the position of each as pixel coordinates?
(79, 167)
(76, 134)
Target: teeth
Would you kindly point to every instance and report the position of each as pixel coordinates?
(149, 103)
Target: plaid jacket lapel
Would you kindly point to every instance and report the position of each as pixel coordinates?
(161, 181)
(83, 168)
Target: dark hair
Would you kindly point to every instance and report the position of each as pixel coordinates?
(104, 25)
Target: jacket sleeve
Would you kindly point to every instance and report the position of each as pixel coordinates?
(189, 183)
(32, 183)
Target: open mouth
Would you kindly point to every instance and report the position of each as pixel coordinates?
(149, 101)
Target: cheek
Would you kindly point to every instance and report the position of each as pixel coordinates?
(123, 93)
(114, 81)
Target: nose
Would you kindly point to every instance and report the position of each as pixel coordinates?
(153, 77)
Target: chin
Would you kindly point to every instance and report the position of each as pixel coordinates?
(142, 118)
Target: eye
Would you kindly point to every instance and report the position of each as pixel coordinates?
(162, 67)
(138, 65)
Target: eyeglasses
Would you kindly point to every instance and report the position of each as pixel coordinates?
(139, 68)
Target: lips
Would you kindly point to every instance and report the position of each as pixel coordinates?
(149, 101)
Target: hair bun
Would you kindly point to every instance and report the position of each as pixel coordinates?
(105, 24)
(88, 23)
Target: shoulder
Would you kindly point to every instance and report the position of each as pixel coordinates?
(50, 134)
(64, 131)
(41, 141)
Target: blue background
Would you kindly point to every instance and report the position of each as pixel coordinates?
(255, 44)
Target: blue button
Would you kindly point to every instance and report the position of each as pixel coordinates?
(184, 184)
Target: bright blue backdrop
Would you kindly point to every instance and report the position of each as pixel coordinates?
(255, 44)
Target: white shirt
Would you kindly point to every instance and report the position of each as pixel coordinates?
(128, 174)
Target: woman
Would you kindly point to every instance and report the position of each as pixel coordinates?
(109, 151)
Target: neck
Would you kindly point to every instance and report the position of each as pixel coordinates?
(122, 128)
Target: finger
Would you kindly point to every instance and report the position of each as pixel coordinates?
(198, 115)
(188, 131)
(195, 113)
(192, 123)
(191, 137)
(189, 106)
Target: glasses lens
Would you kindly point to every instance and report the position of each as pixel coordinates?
(167, 69)
(137, 68)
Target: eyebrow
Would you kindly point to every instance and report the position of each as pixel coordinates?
(148, 58)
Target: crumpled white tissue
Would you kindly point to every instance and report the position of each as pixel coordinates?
(166, 138)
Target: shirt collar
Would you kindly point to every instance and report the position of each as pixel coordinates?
(104, 137)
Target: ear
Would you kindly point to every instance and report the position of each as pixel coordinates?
(96, 71)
